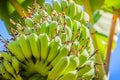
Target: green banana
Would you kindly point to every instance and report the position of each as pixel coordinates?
(76, 25)
(35, 77)
(25, 46)
(74, 63)
(64, 50)
(9, 68)
(52, 29)
(57, 6)
(75, 47)
(4, 73)
(44, 27)
(68, 32)
(76, 29)
(64, 6)
(69, 76)
(63, 37)
(83, 57)
(35, 45)
(48, 8)
(86, 17)
(37, 17)
(6, 56)
(39, 28)
(14, 47)
(44, 43)
(54, 48)
(18, 77)
(89, 75)
(84, 36)
(85, 68)
(72, 9)
(78, 12)
(90, 48)
(15, 64)
(69, 22)
(82, 16)
(58, 69)
(29, 22)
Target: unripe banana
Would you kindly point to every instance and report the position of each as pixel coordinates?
(63, 52)
(29, 22)
(6, 56)
(59, 69)
(44, 43)
(37, 17)
(72, 9)
(4, 73)
(64, 6)
(78, 12)
(25, 46)
(14, 47)
(90, 48)
(12, 78)
(84, 36)
(69, 76)
(76, 29)
(57, 6)
(35, 77)
(89, 75)
(75, 47)
(48, 8)
(74, 63)
(86, 68)
(39, 28)
(85, 32)
(69, 22)
(63, 37)
(82, 16)
(44, 27)
(35, 45)
(76, 25)
(54, 48)
(83, 57)
(9, 68)
(15, 64)
(68, 32)
(18, 77)
(52, 29)
(86, 17)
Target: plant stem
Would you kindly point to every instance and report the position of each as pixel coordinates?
(110, 40)
(18, 8)
(101, 72)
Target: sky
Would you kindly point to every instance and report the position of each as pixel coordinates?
(115, 57)
(4, 33)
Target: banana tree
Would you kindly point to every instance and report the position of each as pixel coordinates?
(13, 12)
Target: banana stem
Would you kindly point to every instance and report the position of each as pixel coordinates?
(18, 8)
(101, 72)
(110, 40)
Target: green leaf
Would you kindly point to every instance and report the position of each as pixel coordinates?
(112, 3)
(8, 10)
(95, 4)
(96, 16)
(103, 41)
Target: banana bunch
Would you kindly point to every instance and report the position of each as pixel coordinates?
(52, 44)
(10, 67)
(71, 9)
